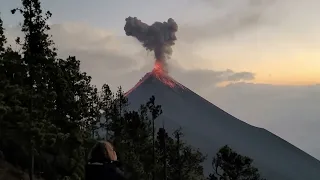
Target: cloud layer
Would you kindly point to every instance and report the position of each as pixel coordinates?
(291, 112)
(230, 17)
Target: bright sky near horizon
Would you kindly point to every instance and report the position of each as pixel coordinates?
(264, 53)
(278, 41)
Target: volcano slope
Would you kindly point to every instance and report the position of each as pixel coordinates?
(207, 127)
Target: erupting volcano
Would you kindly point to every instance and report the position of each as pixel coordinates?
(161, 75)
(205, 126)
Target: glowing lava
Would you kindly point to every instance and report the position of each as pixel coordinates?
(158, 69)
(159, 73)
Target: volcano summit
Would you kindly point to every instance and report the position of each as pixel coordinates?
(208, 128)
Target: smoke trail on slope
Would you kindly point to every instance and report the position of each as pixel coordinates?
(159, 37)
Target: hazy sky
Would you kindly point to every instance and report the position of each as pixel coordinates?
(256, 59)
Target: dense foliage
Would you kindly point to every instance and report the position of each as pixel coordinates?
(50, 114)
(229, 165)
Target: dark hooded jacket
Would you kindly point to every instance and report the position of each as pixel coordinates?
(103, 164)
(104, 171)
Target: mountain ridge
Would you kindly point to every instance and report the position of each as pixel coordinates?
(202, 120)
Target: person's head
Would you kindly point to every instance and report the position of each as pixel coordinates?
(103, 151)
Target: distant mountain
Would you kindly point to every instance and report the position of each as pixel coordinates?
(208, 128)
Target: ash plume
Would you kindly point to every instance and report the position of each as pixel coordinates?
(159, 37)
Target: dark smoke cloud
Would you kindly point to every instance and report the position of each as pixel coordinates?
(159, 37)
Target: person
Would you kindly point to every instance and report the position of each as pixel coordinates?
(103, 163)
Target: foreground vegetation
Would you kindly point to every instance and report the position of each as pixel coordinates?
(50, 112)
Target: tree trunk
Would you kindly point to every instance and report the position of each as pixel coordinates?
(153, 151)
(165, 159)
(31, 169)
(178, 154)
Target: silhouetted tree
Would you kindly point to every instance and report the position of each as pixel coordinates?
(177, 135)
(3, 84)
(38, 57)
(182, 160)
(76, 111)
(155, 111)
(130, 131)
(162, 137)
(60, 101)
(190, 159)
(3, 39)
(11, 91)
(229, 165)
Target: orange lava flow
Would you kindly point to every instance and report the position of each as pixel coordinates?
(159, 73)
(162, 75)
(158, 69)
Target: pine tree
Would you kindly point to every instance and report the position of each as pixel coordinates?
(106, 102)
(61, 103)
(11, 106)
(3, 83)
(116, 120)
(185, 162)
(178, 134)
(38, 57)
(155, 111)
(162, 137)
(232, 166)
(76, 111)
(135, 144)
(131, 132)
(3, 39)
(94, 114)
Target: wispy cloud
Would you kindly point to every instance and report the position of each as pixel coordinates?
(230, 17)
